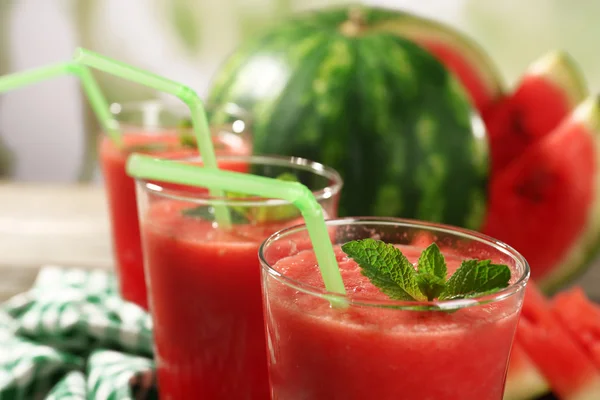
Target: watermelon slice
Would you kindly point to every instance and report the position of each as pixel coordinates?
(581, 318)
(548, 91)
(566, 367)
(546, 203)
(523, 380)
(460, 54)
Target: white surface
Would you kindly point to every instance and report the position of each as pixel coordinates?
(42, 123)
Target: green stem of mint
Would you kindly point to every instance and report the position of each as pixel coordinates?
(389, 270)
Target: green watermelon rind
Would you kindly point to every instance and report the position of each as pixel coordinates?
(421, 29)
(530, 385)
(587, 246)
(589, 392)
(562, 71)
(526, 382)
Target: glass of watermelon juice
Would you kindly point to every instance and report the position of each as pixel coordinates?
(204, 280)
(151, 127)
(377, 348)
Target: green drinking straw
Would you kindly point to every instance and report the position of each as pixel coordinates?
(146, 167)
(184, 93)
(90, 86)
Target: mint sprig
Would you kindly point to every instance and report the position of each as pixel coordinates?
(148, 147)
(187, 139)
(246, 214)
(389, 270)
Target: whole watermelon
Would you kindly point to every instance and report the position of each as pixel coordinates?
(386, 114)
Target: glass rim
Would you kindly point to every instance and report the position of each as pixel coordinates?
(164, 104)
(331, 190)
(445, 305)
(177, 109)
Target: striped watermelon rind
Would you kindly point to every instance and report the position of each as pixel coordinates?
(565, 366)
(581, 318)
(586, 246)
(465, 58)
(548, 91)
(563, 73)
(378, 108)
(523, 380)
(519, 127)
(558, 229)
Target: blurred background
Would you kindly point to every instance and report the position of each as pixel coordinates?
(187, 39)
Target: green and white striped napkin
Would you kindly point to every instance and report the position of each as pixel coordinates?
(71, 386)
(72, 337)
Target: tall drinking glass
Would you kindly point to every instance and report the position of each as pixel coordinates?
(153, 127)
(204, 280)
(377, 348)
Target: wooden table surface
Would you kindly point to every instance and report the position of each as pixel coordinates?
(44, 224)
(67, 225)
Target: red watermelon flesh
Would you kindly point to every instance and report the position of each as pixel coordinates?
(546, 205)
(581, 318)
(523, 380)
(566, 367)
(548, 91)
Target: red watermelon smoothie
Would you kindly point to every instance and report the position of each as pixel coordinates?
(204, 280)
(158, 136)
(378, 348)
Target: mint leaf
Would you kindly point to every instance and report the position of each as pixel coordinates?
(474, 278)
(386, 267)
(203, 212)
(288, 177)
(430, 285)
(245, 214)
(187, 140)
(207, 213)
(185, 123)
(276, 213)
(147, 148)
(432, 262)
(269, 213)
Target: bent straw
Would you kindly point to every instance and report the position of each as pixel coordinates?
(184, 93)
(90, 86)
(145, 167)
